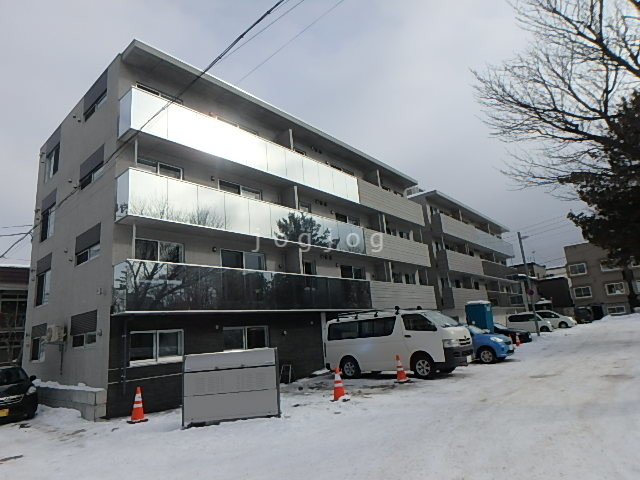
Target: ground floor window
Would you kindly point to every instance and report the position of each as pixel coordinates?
(616, 309)
(155, 346)
(245, 337)
(38, 333)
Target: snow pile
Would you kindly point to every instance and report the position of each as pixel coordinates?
(59, 386)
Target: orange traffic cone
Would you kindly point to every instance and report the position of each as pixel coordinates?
(137, 414)
(402, 375)
(338, 387)
(518, 342)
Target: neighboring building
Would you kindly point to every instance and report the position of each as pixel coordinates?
(468, 255)
(14, 282)
(560, 271)
(547, 287)
(177, 269)
(596, 284)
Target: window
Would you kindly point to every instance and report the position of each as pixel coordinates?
(578, 269)
(405, 235)
(51, 163)
(159, 251)
(525, 317)
(582, 292)
(396, 277)
(84, 329)
(83, 340)
(47, 222)
(617, 288)
(240, 190)
(309, 268)
(343, 331)
(160, 168)
(95, 105)
(375, 327)
(548, 314)
(304, 207)
(43, 287)
(348, 271)
(38, 333)
(158, 93)
(417, 322)
(243, 338)
(248, 260)
(392, 231)
(155, 346)
(88, 254)
(607, 266)
(410, 278)
(347, 219)
(616, 309)
(476, 286)
(92, 176)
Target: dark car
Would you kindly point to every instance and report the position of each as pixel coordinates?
(583, 315)
(18, 394)
(525, 337)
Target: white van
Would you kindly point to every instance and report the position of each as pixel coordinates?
(526, 321)
(426, 340)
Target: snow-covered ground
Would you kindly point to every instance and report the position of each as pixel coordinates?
(565, 406)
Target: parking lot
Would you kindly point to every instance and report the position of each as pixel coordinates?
(564, 406)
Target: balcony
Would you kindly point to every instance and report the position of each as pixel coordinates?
(458, 297)
(492, 269)
(505, 299)
(388, 295)
(459, 262)
(396, 249)
(143, 286)
(150, 114)
(455, 228)
(381, 200)
(149, 196)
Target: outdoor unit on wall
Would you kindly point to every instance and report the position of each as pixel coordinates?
(55, 334)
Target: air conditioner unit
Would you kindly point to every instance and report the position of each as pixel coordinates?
(55, 333)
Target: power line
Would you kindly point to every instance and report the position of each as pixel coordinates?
(289, 41)
(17, 226)
(169, 102)
(13, 234)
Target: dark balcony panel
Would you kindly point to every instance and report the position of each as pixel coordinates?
(155, 286)
(498, 270)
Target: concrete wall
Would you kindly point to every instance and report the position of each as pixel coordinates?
(387, 202)
(90, 402)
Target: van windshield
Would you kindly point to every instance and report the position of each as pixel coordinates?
(439, 319)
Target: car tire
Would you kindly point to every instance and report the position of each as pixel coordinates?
(423, 366)
(447, 370)
(545, 329)
(563, 325)
(486, 355)
(350, 368)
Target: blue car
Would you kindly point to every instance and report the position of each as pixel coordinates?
(489, 347)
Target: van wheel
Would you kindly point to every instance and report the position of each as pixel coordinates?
(563, 325)
(350, 368)
(423, 366)
(486, 355)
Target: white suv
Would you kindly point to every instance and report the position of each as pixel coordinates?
(557, 320)
(525, 321)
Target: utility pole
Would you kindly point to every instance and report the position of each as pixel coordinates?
(527, 281)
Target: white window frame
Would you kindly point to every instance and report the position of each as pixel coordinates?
(85, 340)
(50, 163)
(51, 218)
(92, 252)
(158, 242)
(617, 307)
(575, 294)
(159, 360)
(605, 268)
(244, 329)
(244, 259)
(92, 176)
(586, 270)
(623, 292)
(46, 288)
(147, 162)
(41, 352)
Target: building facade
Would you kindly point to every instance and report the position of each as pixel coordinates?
(171, 226)
(14, 281)
(595, 283)
(468, 256)
(548, 286)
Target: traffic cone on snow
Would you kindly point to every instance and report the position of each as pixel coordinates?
(338, 387)
(518, 342)
(137, 413)
(402, 375)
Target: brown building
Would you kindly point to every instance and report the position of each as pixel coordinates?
(14, 282)
(597, 284)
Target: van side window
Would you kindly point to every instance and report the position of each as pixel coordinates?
(377, 327)
(417, 322)
(343, 330)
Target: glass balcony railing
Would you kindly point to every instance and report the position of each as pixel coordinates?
(149, 195)
(155, 286)
(143, 111)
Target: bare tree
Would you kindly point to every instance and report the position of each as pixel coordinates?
(557, 100)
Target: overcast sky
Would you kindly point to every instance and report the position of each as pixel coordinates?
(391, 78)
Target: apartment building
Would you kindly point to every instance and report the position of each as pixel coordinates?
(212, 222)
(595, 283)
(468, 256)
(14, 280)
